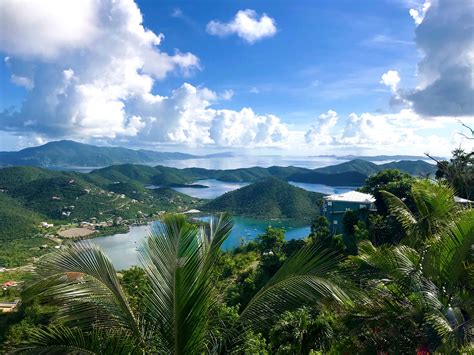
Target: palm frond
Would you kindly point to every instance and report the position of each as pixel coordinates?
(400, 210)
(307, 277)
(435, 210)
(82, 280)
(178, 259)
(59, 340)
(448, 257)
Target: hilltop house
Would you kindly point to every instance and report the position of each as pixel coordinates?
(6, 307)
(334, 207)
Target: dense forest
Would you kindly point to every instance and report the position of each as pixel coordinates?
(398, 280)
(268, 198)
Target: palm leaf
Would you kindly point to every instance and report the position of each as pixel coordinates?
(178, 260)
(82, 280)
(59, 340)
(308, 276)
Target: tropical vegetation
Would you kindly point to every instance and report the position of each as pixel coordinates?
(399, 280)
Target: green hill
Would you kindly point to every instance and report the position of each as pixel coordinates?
(126, 172)
(166, 176)
(413, 167)
(268, 198)
(16, 221)
(69, 153)
(348, 178)
(358, 165)
(65, 197)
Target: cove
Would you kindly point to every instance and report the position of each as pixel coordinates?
(122, 248)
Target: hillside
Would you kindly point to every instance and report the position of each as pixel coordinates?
(37, 194)
(268, 198)
(348, 178)
(358, 165)
(166, 176)
(413, 167)
(16, 221)
(69, 153)
(417, 167)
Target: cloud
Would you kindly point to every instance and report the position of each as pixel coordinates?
(243, 128)
(382, 40)
(446, 72)
(45, 28)
(405, 131)
(177, 12)
(98, 85)
(187, 117)
(246, 25)
(227, 94)
(391, 79)
(22, 81)
(83, 91)
(379, 129)
(320, 134)
(419, 11)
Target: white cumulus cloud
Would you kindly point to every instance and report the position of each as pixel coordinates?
(187, 117)
(45, 28)
(418, 12)
(246, 24)
(97, 84)
(391, 79)
(320, 134)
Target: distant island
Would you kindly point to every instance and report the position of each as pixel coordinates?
(70, 154)
(67, 153)
(376, 157)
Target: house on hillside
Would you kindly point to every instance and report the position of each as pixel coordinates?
(463, 201)
(334, 207)
(6, 307)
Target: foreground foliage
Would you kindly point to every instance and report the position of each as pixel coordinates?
(360, 292)
(180, 310)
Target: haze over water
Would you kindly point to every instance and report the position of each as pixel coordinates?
(248, 161)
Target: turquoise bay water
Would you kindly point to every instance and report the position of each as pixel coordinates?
(122, 248)
(217, 188)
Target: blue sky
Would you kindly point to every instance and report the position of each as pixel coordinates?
(295, 77)
(324, 54)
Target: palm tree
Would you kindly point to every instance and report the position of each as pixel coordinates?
(429, 280)
(178, 311)
(435, 210)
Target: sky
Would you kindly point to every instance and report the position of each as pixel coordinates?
(262, 77)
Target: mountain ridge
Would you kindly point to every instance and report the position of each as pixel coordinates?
(68, 153)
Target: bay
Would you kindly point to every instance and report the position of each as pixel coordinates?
(122, 248)
(216, 188)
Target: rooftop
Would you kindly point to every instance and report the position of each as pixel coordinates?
(352, 196)
(462, 200)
